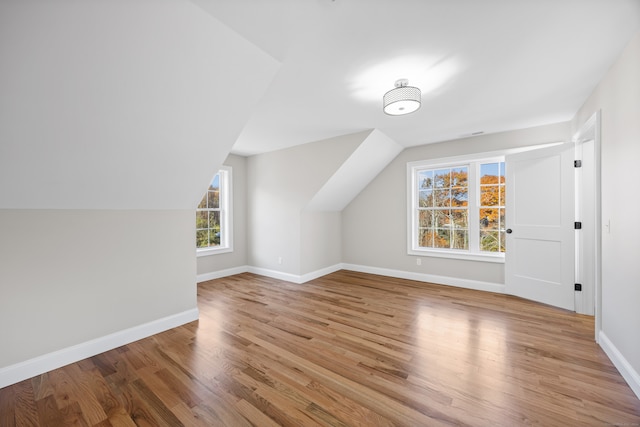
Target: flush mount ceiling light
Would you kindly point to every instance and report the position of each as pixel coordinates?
(403, 99)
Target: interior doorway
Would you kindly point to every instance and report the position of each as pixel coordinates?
(588, 212)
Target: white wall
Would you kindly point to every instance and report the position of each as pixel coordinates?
(71, 276)
(280, 185)
(320, 240)
(617, 96)
(206, 265)
(111, 126)
(117, 104)
(374, 224)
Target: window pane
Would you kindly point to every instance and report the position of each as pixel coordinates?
(441, 218)
(214, 220)
(502, 219)
(441, 178)
(460, 177)
(460, 218)
(489, 219)
(460, 239)
(215, 182)
(425, 179)
(503, 200)
(459, 196)
(214, 237)
(489, 241)
(425, 219)
(213, 199)
(425, 239)
(442, 239)
(426, 198)
(442, 198)
(503, 240)
(202, 219)
(202, 238)
(489, 195)
(489, 173)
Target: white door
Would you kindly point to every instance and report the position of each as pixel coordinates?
(586, 239)
(540, 225)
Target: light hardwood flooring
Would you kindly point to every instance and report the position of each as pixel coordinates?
(348, 349)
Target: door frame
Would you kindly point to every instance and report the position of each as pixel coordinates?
(590, 131)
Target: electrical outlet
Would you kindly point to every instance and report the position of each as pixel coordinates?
(418, 261)
(279, 260)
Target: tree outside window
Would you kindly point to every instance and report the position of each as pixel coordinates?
(443, 208)
(458, 209)
(492, 207)
(213, 231)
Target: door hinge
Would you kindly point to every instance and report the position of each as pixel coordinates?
(577, 225)
(577, 163)
(578, 287)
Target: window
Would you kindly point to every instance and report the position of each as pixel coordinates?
(443, 211)
(457, 208)
(492, 207)
(213, 216)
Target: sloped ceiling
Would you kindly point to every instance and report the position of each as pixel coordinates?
(119, 104)
(490, 65)
(133, 104)
(371, 156)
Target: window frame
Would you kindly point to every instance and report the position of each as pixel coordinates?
(473, 162)
(226, 214)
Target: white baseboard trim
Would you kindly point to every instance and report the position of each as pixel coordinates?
(275, 274)
(629, 374)
(38, 365)
(319, 273)
(295, 278)
(431, 278)
(222, 273)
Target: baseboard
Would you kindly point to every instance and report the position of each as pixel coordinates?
(222, 273)
(319, 273)
(41, 364)
(295, 278)
(629, 374)
(275, 274)
(430, 278)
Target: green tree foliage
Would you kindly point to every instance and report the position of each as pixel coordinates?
(208, 218)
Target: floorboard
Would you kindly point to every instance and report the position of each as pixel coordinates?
(347, 349)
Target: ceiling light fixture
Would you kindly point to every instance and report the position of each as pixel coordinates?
(403, 99)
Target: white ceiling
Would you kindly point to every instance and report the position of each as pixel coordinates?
(483, 65)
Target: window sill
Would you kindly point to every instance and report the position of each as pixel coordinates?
(488, 257)
(212, 251)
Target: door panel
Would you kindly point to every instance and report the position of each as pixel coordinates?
(540, 210)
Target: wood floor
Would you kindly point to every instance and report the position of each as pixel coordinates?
(348, 349)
